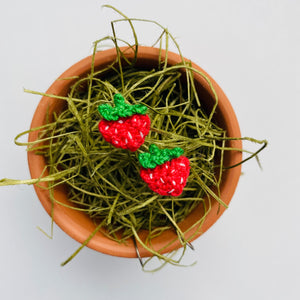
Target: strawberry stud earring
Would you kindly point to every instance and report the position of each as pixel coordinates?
(124, 126)
(165, 171)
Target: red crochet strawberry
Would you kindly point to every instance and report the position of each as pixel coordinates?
(124, 126)
(165, 171)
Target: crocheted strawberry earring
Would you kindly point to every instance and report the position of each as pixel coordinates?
(124, 126)
(165, 170)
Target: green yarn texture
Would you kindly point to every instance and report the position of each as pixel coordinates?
(121, 109)
(157, 156)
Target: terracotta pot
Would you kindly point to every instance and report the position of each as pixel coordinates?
(77, 224)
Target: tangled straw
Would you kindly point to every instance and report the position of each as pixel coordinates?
(104, 181)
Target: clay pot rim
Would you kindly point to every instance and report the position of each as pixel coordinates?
(72, 221)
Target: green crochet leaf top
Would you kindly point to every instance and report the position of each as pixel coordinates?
(157, 156)
(121, 109)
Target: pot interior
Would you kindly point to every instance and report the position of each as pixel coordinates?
(77, 224)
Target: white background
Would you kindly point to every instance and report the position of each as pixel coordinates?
(251, 48)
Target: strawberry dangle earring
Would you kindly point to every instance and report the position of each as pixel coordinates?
(124, 126)
(165, 170)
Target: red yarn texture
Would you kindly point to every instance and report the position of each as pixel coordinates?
(127, 133)
(168, 179)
